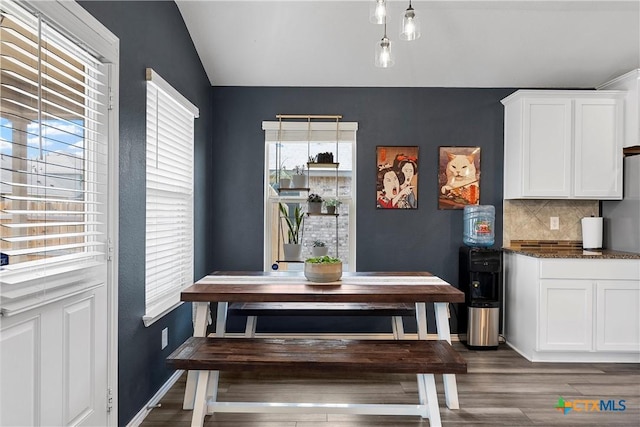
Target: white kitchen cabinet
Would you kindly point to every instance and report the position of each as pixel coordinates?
(563, 145)
(572, 310)
(566, 315)
(617, 316)
(630, 83)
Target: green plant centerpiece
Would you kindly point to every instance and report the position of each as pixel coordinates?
(324, 269)
(315, 203)
(292, 247)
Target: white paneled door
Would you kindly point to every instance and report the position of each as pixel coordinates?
(54, 363)
(58, 216)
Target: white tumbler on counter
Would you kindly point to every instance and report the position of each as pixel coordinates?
(592, 232)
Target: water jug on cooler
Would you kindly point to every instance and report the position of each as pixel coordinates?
(479, 223)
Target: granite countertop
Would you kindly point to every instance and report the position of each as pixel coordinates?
(572, 253)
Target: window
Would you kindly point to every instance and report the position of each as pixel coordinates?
(169, 218)
(53, 162)
(293, 143)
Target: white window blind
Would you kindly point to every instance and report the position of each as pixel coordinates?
(53, 159)
(169, 223)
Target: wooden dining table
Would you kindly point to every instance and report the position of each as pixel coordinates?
(224, 287)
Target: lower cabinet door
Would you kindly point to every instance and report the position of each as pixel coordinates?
(566, 315)
(618, 316)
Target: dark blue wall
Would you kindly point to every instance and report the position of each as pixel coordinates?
(400, 240)
(152, 34)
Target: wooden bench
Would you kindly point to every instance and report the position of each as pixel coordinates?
(297, 356)
(254, 309)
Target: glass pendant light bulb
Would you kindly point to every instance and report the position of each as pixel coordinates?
(410, 29)
(378, 11)
(384, 57)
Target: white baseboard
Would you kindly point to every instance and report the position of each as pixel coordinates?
(142, 414)
(361, 336)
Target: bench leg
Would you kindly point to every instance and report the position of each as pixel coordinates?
(398, 327)
(221, 325)
(200, 404)
(250, 327)
(450, 385)
(422, 396)
(432, 400)
(212, 389)
(199, 330)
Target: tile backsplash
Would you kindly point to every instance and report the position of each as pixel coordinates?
(529, 219)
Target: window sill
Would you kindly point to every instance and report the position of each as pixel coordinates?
(158, 312)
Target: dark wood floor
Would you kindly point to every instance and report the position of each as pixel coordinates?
(500, 388)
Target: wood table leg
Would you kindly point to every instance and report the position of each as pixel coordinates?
(199, 330)
(221, 326)
(250, 327)
(442, 323)
(398, 327)
(421, 320)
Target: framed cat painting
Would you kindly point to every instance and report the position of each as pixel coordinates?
(458, 177)
(397, 177)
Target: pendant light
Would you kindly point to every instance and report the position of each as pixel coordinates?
(410, 29)
(378, 11)
(384, 57)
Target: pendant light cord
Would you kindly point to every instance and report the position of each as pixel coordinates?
(385, 26)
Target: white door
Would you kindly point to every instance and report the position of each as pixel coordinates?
(55, 227)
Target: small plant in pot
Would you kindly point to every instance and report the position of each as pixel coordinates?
(323, 269)
(299, 178)
(315, 203)
(332, 205)
(319, 248)
(285, 178)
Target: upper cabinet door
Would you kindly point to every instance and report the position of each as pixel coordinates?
(546, 161)
(598, 148)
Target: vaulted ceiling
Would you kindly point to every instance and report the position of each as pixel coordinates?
(533, 44)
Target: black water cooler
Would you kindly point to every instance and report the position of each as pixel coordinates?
(480, 278)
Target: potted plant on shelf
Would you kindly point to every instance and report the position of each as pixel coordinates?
(285, 178)
(323, 269)
(292, 249)
(324, 157)
(315, 203)
(299, 178)
(319, 248)
(332, 205)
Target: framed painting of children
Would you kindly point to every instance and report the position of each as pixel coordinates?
(458, 177)
(397, 177)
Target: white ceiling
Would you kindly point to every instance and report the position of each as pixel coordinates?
(534, 44)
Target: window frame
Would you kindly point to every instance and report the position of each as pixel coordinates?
(302, 127)
(171, 297)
